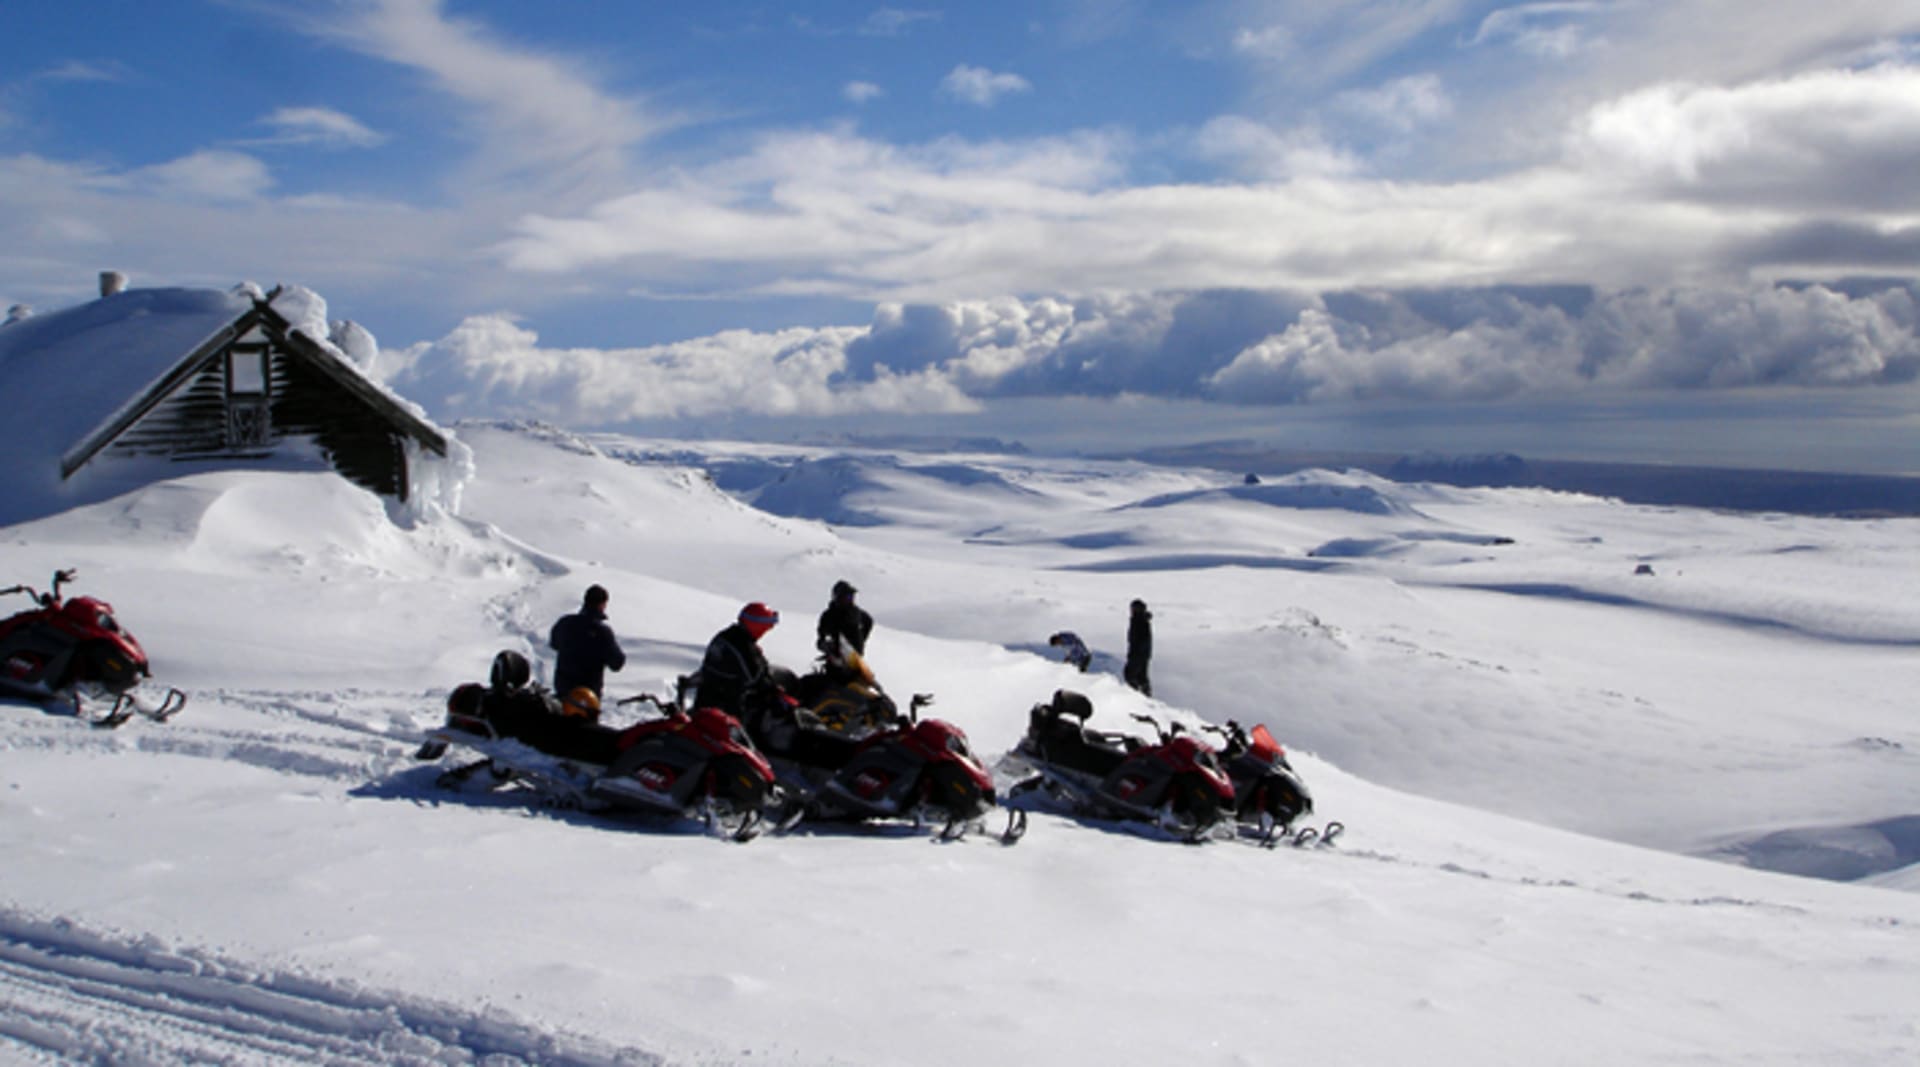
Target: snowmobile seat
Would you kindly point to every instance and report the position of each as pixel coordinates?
(1067, 702)
(1060, 733)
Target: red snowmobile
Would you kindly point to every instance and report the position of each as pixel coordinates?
(74, 652)
(699, 765)
(847, 755)
(1176, 785)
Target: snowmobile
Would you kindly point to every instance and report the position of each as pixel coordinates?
(697, 764)
(74, 652)
(1268, 793)
(1176, 785)
(845, 754)
(841, 691)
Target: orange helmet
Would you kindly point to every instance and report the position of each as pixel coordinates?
(582, 703)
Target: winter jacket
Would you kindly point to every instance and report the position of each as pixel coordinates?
(844, 619)
(586, 650)
(1074, 649)
(733, 669)
(1139, 650)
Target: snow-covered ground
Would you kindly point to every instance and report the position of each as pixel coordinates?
(1571, 789)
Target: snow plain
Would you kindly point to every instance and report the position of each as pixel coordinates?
(1595, 817)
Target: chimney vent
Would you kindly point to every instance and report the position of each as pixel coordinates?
(111, 282)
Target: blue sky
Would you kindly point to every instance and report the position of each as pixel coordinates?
(600, 212)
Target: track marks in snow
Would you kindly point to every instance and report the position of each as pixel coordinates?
(68, 995)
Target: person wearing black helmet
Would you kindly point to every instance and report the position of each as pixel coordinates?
(1139, 647)
(584, 646)
(734, 670)
(843, 621)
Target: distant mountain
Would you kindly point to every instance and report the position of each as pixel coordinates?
(1731, 488)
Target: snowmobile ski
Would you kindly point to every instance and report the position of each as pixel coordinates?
(1307, 836)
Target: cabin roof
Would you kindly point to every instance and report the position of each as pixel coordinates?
(82, 375)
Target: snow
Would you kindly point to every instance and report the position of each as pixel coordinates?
(1571, 790)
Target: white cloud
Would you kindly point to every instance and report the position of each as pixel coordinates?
(1556, 30)
(207, 175)
(80, 70)
(1256, 150)
(1268, 43)
(1494, 345)
(978, 85)
(1828, 138)
(861, 92)
(321, 126)
(893, 22)
(1236, 346)
(542, 120)
(492, 365)
(1401, 104)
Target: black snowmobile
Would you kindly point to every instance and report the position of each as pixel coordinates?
(1269, 794)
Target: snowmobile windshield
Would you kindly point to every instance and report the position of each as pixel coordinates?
(1264, 746)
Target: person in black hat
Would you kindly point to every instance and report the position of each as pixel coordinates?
(1139, 647)
(584, 646)
(843, 621)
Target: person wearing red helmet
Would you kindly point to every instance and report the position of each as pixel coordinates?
(734, 669)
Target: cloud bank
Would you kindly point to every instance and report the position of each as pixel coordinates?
(1232, 346)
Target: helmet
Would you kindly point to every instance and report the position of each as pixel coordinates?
(510, 670)
(758, 618)
(843, 588)
(465, 700)
(581, 702)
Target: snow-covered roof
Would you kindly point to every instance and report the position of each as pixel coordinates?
(71, 371)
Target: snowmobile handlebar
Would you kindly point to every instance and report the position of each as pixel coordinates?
(61, 577)
(920, 700)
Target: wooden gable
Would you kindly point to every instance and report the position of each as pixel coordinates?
(252, 388)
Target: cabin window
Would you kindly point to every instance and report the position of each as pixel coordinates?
(247, 412)
(246, 371)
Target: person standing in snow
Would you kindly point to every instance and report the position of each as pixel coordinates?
(734, 672)
(1139, 647)
(843, 621)
(1073, 650)
(584, 646)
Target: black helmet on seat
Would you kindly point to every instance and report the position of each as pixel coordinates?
(510, 671)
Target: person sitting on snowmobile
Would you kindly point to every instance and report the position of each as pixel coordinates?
(1072, 649)
(734, 674)
(585, 646)
(843, 621)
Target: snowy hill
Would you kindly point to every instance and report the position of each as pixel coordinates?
(1532, 745)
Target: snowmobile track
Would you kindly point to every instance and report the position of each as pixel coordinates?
(71, 996)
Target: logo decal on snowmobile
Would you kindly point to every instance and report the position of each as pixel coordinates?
(657, 777)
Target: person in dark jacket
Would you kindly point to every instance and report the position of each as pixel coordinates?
(1139, 647)
(1072, 649)
(734, 671)
(585, 646)
(843, 620)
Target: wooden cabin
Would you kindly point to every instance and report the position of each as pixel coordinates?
(193, 375)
